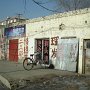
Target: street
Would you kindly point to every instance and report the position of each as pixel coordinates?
(41, 79)
(52, 82)
(3, 87)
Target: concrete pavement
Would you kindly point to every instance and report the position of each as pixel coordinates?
(5, 82)
(15, 71)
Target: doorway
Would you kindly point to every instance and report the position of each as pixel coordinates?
(42, 45)
(13, 50)
(86, 55)
(67, 54)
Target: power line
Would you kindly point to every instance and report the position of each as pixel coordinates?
(25, 2)
(44, 7)
(44, 2)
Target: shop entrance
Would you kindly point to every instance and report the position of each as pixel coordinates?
(67, 54)
(42, 45)
(86, 56)
(13, 50)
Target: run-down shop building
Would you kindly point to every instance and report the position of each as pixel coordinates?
(63, 39)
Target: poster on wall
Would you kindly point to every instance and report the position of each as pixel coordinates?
(67, 53)
(16, 31)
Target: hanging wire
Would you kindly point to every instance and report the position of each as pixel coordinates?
(39, 4)
(44, 2)
(25, 2)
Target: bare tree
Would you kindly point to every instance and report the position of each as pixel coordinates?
(68, 5)
(63, 5)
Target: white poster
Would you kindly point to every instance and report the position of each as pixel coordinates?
(67, 52)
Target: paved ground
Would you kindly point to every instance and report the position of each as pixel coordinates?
(15, 71)
(12, 70)
(2, 87)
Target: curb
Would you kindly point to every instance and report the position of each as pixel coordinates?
(5, 82)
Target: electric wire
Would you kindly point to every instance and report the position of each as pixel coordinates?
(25, 4)
(44, 2)
(44, 7)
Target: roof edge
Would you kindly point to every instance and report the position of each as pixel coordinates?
(60, 15)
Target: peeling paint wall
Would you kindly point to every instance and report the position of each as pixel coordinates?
(22, 48)
(1, 44)
(68, 24)
(74, 25)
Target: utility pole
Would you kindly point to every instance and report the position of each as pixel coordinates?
(19, 16)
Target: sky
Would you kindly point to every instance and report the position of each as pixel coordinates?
(10, 8)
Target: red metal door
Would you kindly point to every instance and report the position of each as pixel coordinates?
(13, 50)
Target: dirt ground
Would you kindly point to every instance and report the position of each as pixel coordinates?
(53, 82)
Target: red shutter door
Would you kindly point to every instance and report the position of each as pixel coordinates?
(13, 50)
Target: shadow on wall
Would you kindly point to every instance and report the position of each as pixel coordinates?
(51, 66)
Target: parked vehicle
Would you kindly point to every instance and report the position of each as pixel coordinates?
(33, 60)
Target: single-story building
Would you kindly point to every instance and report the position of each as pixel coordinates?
(63, 39)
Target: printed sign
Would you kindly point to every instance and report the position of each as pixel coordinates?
(15, 31)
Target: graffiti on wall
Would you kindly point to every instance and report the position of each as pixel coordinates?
(21, 48)
(54, 51)
(25, 47)
(54, 41)
(73, 51)
(3, 47)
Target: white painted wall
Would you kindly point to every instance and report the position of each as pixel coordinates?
(31, 47)
(21, 50)
(48, 27)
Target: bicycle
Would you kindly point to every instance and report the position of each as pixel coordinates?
(32, 61)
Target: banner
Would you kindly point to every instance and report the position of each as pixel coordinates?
(15, 31)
